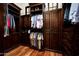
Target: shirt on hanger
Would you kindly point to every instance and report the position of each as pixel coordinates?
(74, 12)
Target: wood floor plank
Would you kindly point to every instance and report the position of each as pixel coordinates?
(27, 51)
(40, 53)
(23, 51)
(52, 53)
(60, 54)
(34, 53)
(56, 54)
(46, 53)
(15, 51)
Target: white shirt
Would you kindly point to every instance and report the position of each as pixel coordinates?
(74, 12)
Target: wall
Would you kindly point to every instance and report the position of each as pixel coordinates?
(22, 6)
(52, 5)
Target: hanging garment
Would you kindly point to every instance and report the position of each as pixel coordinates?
(6, 31)
(33, 21)
(5, 19)
(8, 21)
(32, 38)
(42, 38)
(6, 26)
(74, 12)
(39, 44)
(66, 14)
(40, 16)
(35, 39)
(39, 38)
(9, 24)
(67, 10)
(39, 21)
(12, 23)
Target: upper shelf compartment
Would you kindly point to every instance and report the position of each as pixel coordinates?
(36, 9)
(33, 9)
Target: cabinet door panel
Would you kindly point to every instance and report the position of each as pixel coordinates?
(53, 29)
(46, 21)
(54, 21)
(25, 22)
(46, 30)
(54, 42)
(1, 27)
(46, 39)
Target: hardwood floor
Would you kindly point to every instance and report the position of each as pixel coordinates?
(27, 51)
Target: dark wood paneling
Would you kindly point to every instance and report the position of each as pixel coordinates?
(46, 39)
(11, 41)
(54, 41)
(53, 21)
(71, 40)
(25, 26)
(46, 21)
(76, 38)
(1, 28)
(54, 29)
(25, 22)
(46, 30)
(25, 38)
(68, 40)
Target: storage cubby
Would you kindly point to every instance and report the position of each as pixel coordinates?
(36, 11)
(13, 35)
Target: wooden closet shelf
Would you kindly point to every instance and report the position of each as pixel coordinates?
(36, 5)
(14, 11)
(33, 11)
(36, 30)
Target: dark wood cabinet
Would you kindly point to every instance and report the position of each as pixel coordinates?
(71, 40)
(70, 34)
(53, 29)
(24, 39)
(11, 41)
(54, 41)
(25, 22)
(36, 11)
(1, 28)
(46, 40)
(68, 40)
(14, 37)
(25, 26)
